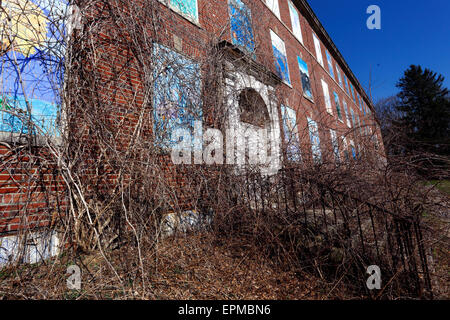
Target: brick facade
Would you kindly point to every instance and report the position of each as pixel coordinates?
(192, 39)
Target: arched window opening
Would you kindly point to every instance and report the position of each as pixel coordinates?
(253, 109)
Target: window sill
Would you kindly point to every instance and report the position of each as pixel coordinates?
(308, 98)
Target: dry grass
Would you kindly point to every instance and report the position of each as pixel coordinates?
(188, 267)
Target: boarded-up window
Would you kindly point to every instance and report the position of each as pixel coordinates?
(326, 95)
(279, 52)
(360, 103)
(335, 145)
(315, 140)
(339, 75)
(346, 84)
(306, 84)
(353, 117)
(295, 21)
(291, 134)
(176, 98)
(352, 147)
(319, 56)
(330, 63)
(338, 105)
(187, 8)
(346, 114)
(30, 58)
(353, 93)
(241, 25)
(274, 6)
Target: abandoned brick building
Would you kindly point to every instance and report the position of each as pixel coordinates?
(308, 101)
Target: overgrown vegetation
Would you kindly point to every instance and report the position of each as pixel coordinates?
(308, 231)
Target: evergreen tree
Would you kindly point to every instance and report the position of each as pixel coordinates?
(424, 109)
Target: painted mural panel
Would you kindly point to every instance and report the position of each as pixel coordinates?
(32, 63)
(347, 117)
(315, 140)
(346, 84)
(295, 21)
(241, 25)
(353, 117)
(291, 134)
(306, 83)
(353, 93)
(338, 105)
(279, 52)
(176, 100)
(353, 149)
(274, 6)
(326, 96)
(187, 8)
(330, 63)
(339, 75)
(360, 103)
(335, 144)
(318, 50)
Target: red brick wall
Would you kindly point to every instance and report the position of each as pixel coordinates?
(29, 198)
(33, 198)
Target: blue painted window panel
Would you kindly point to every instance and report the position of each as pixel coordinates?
(353, 93)
(330, 64)
(346, 84)
(241, 26)
(354, 153)
(306, 83)
(187, 8)
(359, 123)
(315, 140)
(339, 75)
(335, 144)
(281, 65)
(338, 105)
(295, 21)
(353, 117)
(291, 134)
(176, 100)
(42, 81)
(279, 52)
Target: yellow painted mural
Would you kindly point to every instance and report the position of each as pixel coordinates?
(23, 26)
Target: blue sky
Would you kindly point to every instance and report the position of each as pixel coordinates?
(412, 32)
